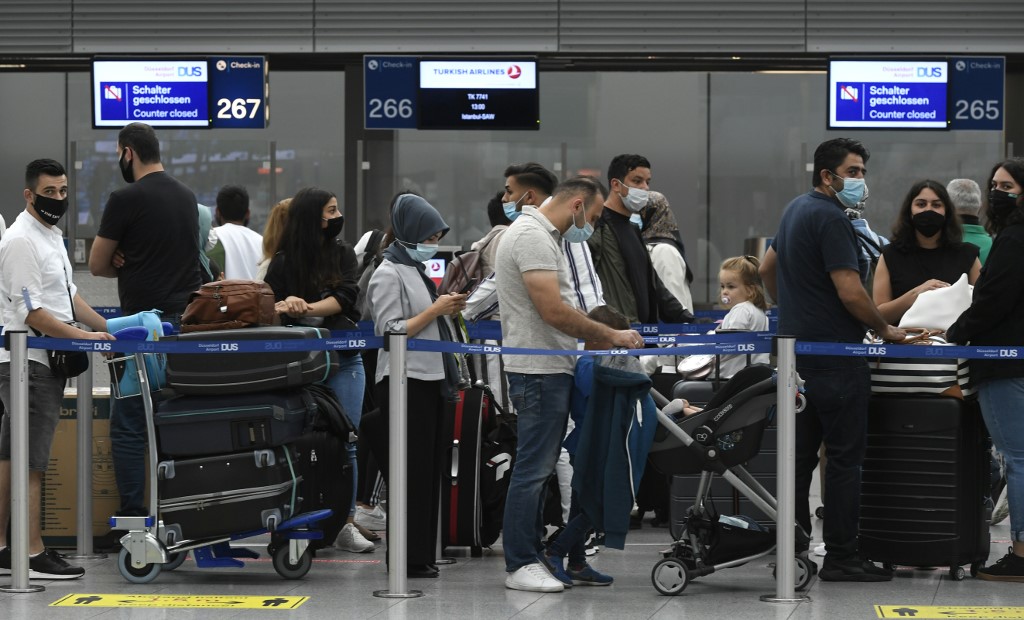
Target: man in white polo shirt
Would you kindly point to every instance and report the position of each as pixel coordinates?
(539, 312)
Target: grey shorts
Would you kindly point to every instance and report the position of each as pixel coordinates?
(45, 393)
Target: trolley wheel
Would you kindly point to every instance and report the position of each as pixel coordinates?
(974, 568)
(957, 573)
(819, 512)
(136, 575)
(284, 566)
(806, 569)
(669, 576)
(174, 560)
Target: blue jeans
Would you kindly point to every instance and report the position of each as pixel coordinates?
(837, 391)
(349, 385)
(1001, 403)
(542, 405)
(128, 438)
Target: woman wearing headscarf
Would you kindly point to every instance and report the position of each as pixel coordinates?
(403, 299)
(661, 234)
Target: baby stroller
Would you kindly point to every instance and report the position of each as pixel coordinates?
(718, 441)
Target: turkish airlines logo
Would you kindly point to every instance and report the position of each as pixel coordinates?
(514, 72)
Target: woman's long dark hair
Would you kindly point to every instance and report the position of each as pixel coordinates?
(903, 234)
(313, 261)
(1015, 167)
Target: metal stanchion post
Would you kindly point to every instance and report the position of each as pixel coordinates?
(17, 343)
(84, 549)
(398, 438)
(785, 547)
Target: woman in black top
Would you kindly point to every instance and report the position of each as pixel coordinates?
(315, 280)
(926, 251)
(994, 318)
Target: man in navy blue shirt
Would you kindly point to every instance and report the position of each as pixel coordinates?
(812, 271)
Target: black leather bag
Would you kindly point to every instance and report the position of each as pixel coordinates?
(68, 363)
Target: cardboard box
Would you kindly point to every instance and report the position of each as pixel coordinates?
(60, 484)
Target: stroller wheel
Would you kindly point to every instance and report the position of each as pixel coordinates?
(805, 570)
(669, 576)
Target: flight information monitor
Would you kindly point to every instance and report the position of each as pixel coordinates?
(478, 94)
(893, 93)
(165, 92)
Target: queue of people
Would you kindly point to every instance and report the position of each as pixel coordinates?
(558, 250)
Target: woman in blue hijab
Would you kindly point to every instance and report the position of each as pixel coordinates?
(403, 299)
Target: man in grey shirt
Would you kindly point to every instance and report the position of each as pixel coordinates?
(538, 313)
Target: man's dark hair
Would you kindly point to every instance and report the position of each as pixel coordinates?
(496, 211)
(233, 203)
(607, 315)
(141, 139)
(586, 186)
(831, 153)
(623, 164)
(903, 234)
(533, 176)
(38, 168)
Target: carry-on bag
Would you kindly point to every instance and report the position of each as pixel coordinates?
(229, 494)
(204, 374)
(205, 425)
(229, 304)
(465, 424)
(925, 476)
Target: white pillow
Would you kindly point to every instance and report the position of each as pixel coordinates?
(941, 307)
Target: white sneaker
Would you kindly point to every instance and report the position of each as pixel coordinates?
(533, 578)
(1002, 509)
(349, 539)
(820, 550)
(375, 520)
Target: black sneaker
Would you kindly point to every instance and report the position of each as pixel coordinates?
(50, 565)
(1010, 567)
(853, 569)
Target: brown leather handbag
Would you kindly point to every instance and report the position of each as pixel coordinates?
(229, 304)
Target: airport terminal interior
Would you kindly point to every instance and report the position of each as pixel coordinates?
(727, 99)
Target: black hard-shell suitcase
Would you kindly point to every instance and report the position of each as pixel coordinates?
(228, 494)
(461, 513)
(925, 476)
(277, 368)
(321, 459)
(204, 425)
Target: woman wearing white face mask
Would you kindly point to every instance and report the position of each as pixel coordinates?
(403, 299)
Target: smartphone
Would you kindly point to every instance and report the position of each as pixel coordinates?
(469, 286)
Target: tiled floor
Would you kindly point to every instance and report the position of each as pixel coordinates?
(340, 585)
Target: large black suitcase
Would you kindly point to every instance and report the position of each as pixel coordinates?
(220, 495)
(926, 473)
(321, 459)
(204, 425)
(278, 368)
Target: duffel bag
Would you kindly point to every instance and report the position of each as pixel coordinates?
(229, 304)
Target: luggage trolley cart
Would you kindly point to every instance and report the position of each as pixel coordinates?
(719, 440)
(149, 548)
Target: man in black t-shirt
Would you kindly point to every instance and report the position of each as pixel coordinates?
(148, 240)
(812, 271)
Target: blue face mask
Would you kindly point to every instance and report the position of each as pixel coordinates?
(510, 209)
(577, 234)
(853, 193)
(422, 252)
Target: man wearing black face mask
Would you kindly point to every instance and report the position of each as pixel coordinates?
(148, 239)
(37, 294)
